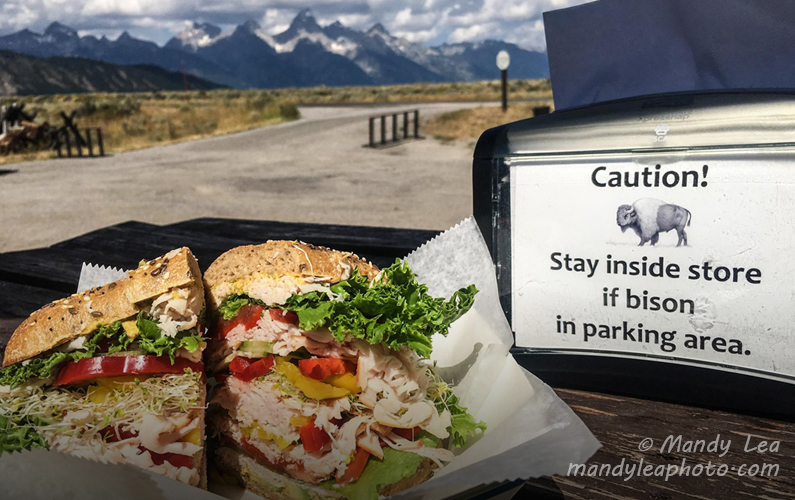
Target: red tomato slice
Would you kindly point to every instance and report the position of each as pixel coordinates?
(409, 434)
(248, 316)
(313, 438)
(173, 458)
(284, 316)
(322, 368)
(116, 366)
(355, 468)
(247, 369)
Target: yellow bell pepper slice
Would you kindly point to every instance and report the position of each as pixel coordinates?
(300, 420)
(193, 437)
(98, 394)
(262, 434)
(345, 381)
(310, 387)
(130, 328)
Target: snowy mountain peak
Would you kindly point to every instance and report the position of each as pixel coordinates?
(250, 26)
(303, 23)
(58, 30)
(305, 20)
(196, 35)
(304, 54)
(378, 29)
(208, 29)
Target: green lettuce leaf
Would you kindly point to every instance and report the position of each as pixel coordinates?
(42, 367)
(396, 311)
(18, 435)
(395, 466)
(233, 304)
(463, 424)
(150, 339)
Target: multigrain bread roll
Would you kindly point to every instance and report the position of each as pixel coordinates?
(115, 373)
(79, 314)
(324, 389)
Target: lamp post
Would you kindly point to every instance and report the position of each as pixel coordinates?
(503, 61)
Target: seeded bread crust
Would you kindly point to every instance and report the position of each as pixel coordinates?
(294, 259)
(80, 314)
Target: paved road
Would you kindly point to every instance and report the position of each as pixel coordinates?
(311, 170)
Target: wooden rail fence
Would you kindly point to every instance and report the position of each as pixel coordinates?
(397, 133)
(19, 132)
(68, 138)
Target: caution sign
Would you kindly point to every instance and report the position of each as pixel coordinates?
(690, 261)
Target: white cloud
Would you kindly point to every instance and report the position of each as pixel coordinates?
(474, 32)
(428, 21)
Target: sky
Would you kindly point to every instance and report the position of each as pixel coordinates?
(427, 21)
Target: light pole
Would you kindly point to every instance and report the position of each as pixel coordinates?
(503, 61)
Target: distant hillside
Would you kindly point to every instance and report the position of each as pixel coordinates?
(26, 75)
(304, 55)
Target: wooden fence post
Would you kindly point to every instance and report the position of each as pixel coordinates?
(405, 124)
(372, 131)
(394, 128)
(100, 143)
(58, 142)
(79, 142)
(383, 129)
(416, 123)
(89, 144)
(68, 143)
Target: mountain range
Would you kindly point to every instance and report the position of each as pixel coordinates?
(306, 54)
(26, 75)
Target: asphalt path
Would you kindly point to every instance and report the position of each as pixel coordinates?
(311, 170)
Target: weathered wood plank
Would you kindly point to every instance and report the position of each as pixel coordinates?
(380, 243)
(21, 300)
(621, 424)
(124, 245)
(58, 267)
(18, 302)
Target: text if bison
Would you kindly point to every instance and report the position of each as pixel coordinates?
(649, 217)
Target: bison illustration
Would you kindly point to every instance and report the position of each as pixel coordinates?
(649, 217)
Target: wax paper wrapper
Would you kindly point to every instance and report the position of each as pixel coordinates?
(531, 432)
(92, 275)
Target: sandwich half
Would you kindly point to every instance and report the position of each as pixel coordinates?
(324, 386)
(115, 373)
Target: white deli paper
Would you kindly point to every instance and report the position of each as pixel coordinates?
(531, 431)
(92, 275)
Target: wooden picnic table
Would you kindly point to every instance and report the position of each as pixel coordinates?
(29, 279)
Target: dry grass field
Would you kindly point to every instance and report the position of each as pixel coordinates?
(416, 92)
(468, 124)
(140, 120)
(135, 121)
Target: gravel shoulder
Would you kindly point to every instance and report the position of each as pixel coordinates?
(311, 170)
